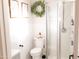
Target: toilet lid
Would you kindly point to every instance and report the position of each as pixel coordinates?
(36, 50)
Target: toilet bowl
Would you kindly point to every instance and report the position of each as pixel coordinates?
(36, 53)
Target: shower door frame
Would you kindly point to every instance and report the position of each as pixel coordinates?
(75, 49)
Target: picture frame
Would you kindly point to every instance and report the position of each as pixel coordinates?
(24, 10)
(13, 8)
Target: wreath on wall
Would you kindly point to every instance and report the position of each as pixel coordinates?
(38, 8)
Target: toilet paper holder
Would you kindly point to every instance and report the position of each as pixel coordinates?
(21, 45)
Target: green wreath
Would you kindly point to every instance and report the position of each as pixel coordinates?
(34, 8)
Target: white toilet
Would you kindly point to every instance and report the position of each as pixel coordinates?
(36, 52)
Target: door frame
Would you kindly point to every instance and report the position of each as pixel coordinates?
(4, 30)
(3, 54)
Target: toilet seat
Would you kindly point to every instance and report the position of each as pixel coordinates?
(36, 51)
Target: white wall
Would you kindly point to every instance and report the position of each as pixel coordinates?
(39, 24)
(21, 34)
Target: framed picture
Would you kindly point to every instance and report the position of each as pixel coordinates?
(24, 9)
(14, 8)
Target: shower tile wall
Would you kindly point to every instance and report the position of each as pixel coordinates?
(68, 36)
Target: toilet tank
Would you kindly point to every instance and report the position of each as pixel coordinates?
(39, 43)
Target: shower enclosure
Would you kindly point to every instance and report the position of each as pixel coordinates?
(60, 29)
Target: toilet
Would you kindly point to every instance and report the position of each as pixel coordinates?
(36, 52)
